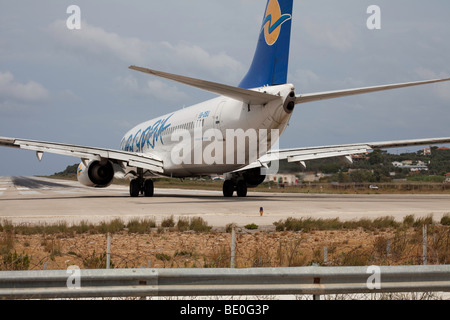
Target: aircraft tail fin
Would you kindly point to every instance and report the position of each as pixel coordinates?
(270, 62)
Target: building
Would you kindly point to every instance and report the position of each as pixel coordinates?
(282, 179)
(426, 152)
(447, 177)
(408, 164)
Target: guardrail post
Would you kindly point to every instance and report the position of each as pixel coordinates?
(316, 296)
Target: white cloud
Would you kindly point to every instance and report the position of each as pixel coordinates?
(339, 36)
(91, 41)
(304, 79)
(97, 42)
(164, 91)
(11, 90)
(442, 90)
(155, 88)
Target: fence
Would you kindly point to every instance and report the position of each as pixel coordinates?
(77, 283)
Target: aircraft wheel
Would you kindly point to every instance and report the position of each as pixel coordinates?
(148, 188)
(241, 188)
(228, 188)
(135, 187)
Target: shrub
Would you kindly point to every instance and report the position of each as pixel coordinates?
(408, 221)
(199, 225)
(168, 222)
(445, 220)
(423, 221)
(14, 261)
(112, 226)
(183, 224)
(251, 226)
(137, 225)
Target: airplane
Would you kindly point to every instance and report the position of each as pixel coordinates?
(234, 134)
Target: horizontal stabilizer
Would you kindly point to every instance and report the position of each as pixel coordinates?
(245, 95)
(309, 97)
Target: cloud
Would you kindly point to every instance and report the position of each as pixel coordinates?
(198, 60)
(339, 36)
(155, 88)
(442, 90)
(11, 90)
(95, 42)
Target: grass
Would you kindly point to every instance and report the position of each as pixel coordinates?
(309, 224)
(135, 225)
(198, 224)
(189, 242)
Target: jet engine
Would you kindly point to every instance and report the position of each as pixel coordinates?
(253, 177)
(98, 174)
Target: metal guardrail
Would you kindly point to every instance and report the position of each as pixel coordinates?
(78, 283)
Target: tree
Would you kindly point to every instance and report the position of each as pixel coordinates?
(376, 157)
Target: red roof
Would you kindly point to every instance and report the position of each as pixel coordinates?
(443, 148)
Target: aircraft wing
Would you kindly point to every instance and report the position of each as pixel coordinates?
(123, 158)
(300, 155)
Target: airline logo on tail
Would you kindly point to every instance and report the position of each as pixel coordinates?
(273, 20)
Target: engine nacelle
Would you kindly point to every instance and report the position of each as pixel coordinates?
(96, 174)
(253, 177)
(289, 103)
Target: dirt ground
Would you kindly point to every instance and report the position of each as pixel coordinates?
(254, 248)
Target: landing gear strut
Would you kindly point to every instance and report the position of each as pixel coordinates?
(229, 186)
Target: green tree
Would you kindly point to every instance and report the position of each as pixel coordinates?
(376, 157)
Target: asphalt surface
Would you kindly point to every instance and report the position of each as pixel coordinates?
(43, 200)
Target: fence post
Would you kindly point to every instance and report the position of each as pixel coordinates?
(108, 251)
(233, 247)
(424, 245)
(325, 255)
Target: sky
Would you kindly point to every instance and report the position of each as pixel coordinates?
(74, 86)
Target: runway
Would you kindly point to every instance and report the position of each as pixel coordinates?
(38, 200)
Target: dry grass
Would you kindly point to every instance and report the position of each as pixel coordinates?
(141, 243)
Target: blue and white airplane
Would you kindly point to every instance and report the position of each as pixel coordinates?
(194, 141)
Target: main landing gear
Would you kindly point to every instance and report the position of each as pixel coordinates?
(141, 186)
(229, 186)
